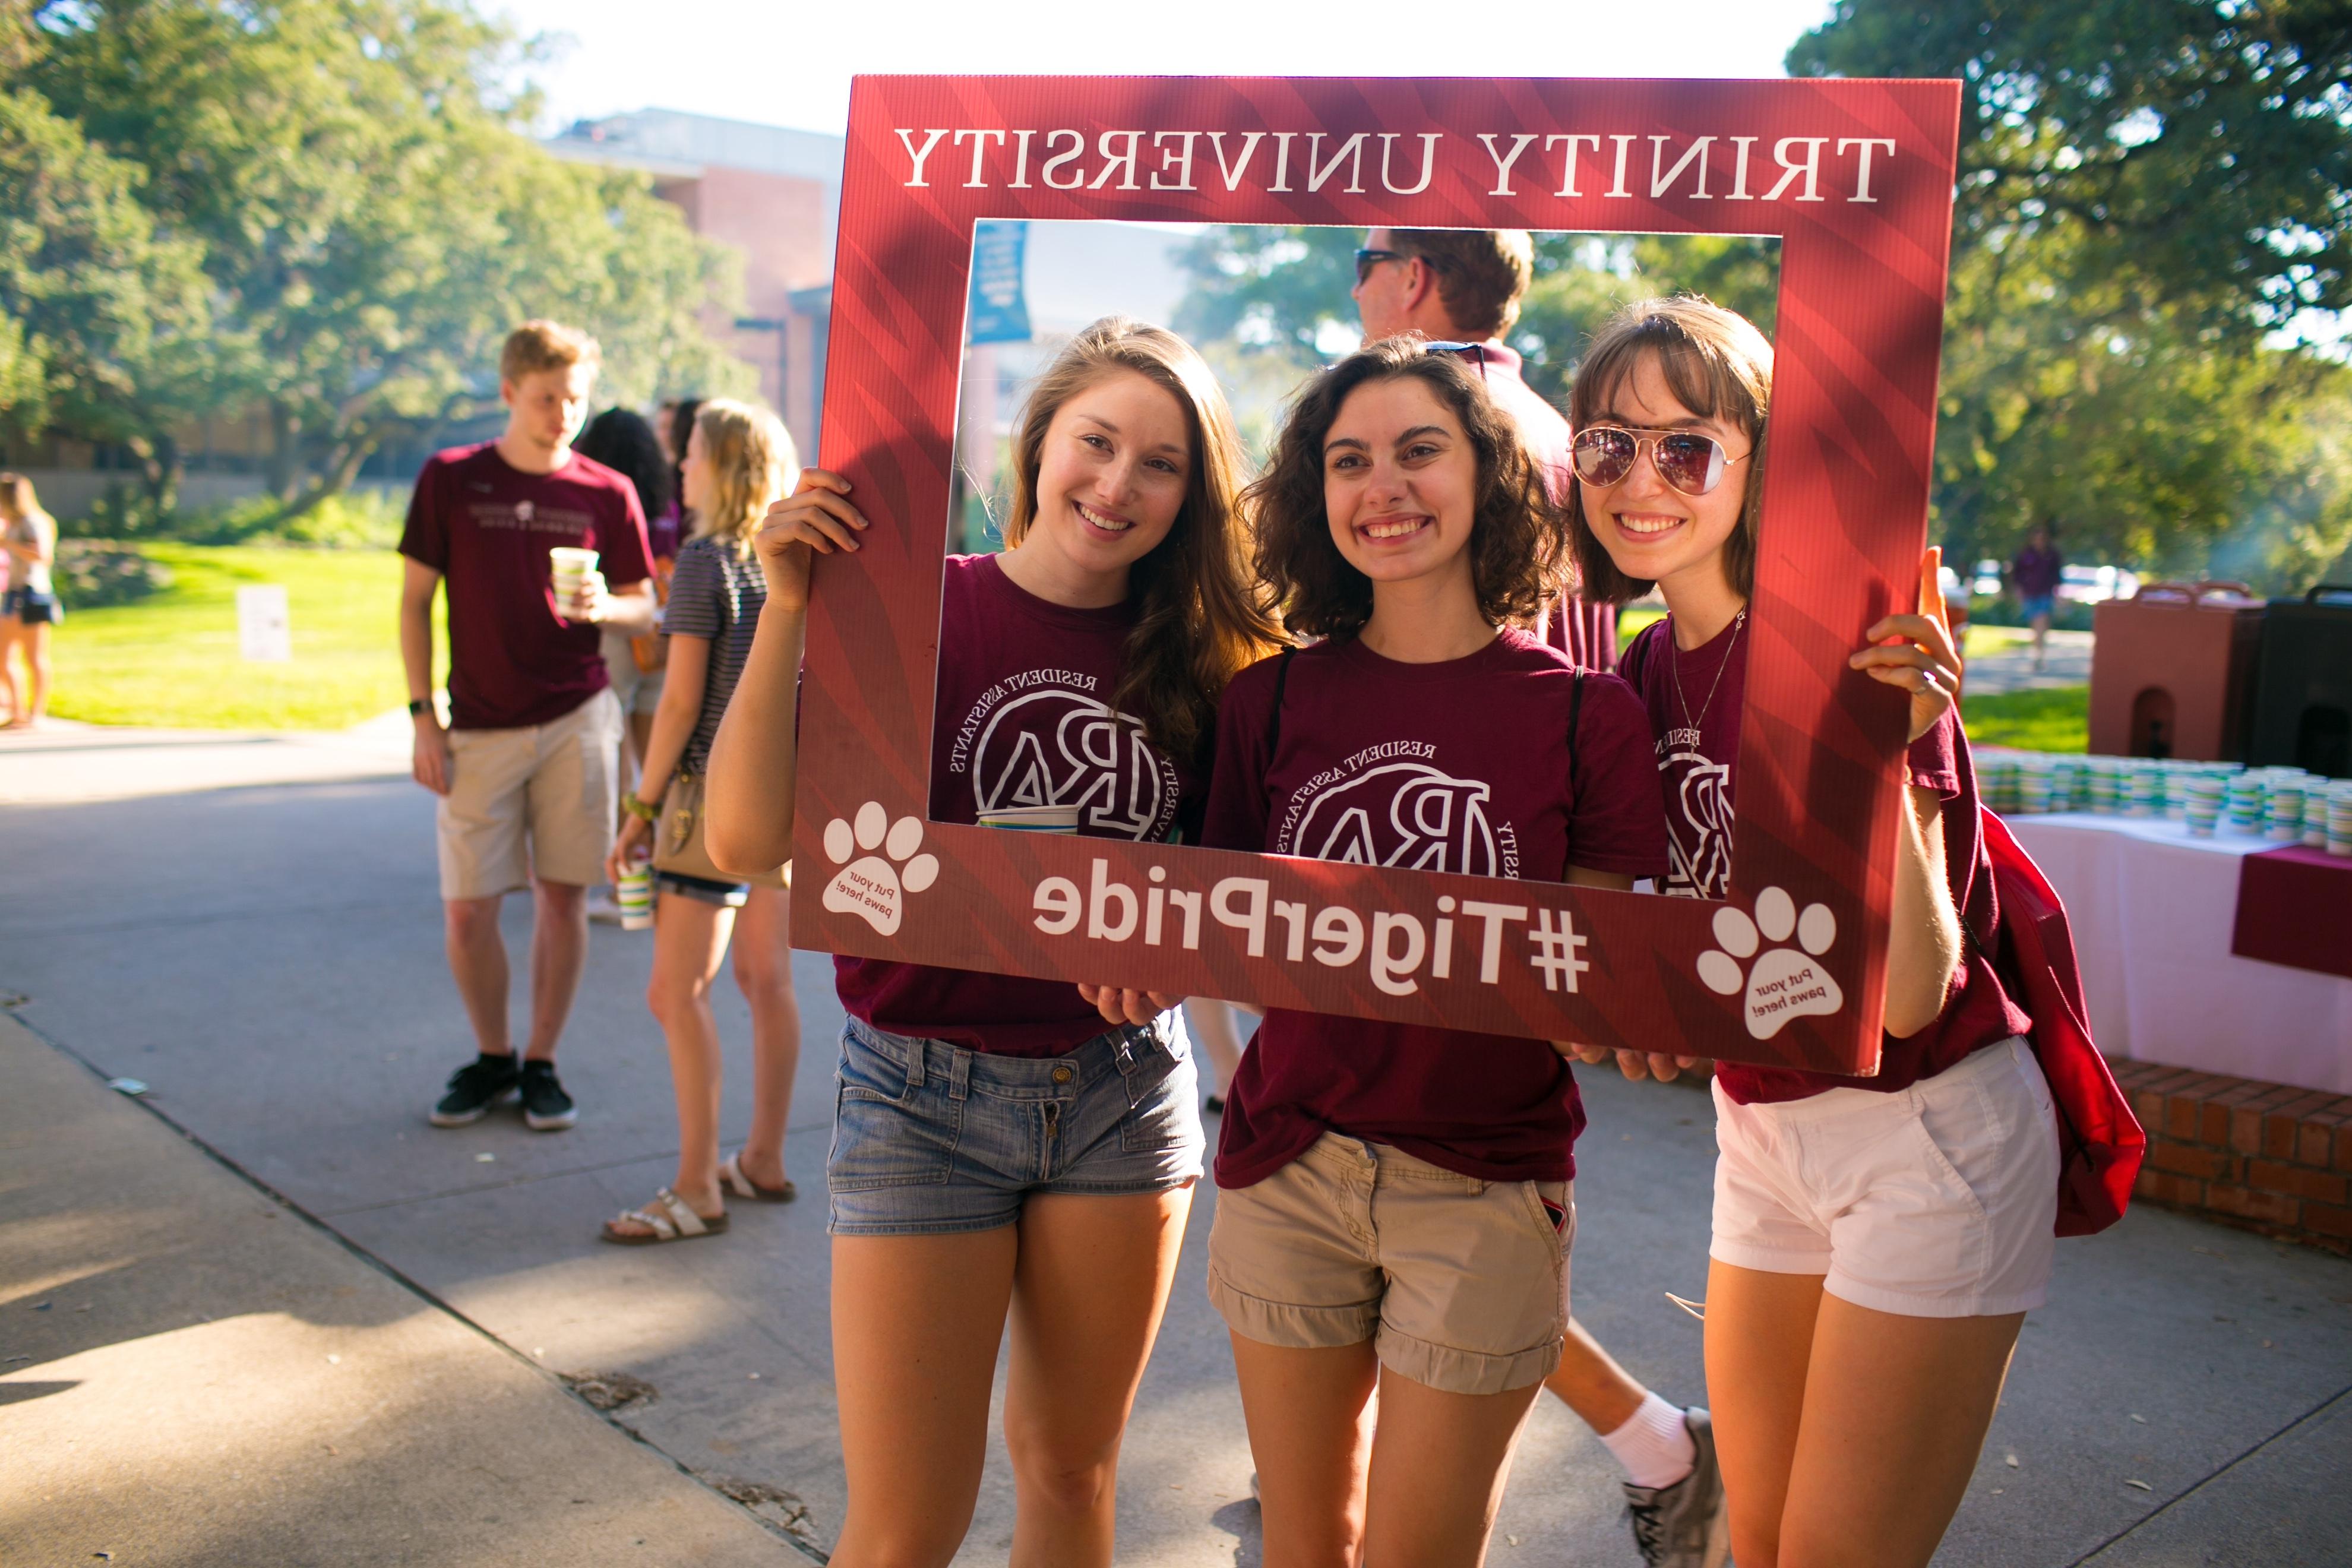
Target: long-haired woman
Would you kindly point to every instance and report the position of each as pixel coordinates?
(738, 462)
(1877, 1241)
(29, 607)
(998, 1150)
(1394, 1208)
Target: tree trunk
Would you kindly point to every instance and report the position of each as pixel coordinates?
(335, 478)
(286, 466)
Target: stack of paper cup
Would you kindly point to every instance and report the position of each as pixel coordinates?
(2339, 820)
(2105, 788)
(635, 894)
(2245, 803)
(2201, 796)
(2147, 790)
(2284, 810)
(568, 568)
(2034, 780)
(1999, 776)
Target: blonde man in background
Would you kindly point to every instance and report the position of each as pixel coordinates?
(526, 768)
(738, 462)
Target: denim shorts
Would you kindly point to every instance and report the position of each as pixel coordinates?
(930, 1138)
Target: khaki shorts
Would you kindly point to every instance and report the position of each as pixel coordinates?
(538, 801)
(1461, 1284)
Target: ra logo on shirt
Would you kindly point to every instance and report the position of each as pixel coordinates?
(1407, 814)
(1054, 746)
(1698, 837)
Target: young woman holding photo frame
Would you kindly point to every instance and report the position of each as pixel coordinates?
(999, 1153)
(1877, 1241)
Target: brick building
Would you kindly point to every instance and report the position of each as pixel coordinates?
(773, 193)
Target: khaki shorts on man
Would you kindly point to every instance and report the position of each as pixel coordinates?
(537, 801)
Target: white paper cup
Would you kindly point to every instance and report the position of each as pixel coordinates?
(1032, 818)
(569, 566)
(635, 895)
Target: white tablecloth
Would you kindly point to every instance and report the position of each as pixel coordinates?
(2152, 910)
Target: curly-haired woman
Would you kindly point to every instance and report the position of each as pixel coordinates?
(1395, 1208)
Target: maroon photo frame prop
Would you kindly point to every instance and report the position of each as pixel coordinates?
(1855, 179)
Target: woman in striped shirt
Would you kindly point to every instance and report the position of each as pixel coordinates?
(738, 460)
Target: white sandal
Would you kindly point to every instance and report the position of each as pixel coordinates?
(731, 1177)
(667, 1218)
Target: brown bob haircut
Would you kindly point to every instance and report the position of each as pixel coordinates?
(1201, 618)
(1518, 540)
(1719, 366)
(1481, 272)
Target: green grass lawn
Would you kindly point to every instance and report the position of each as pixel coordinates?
(2057, 719)
(171, 660)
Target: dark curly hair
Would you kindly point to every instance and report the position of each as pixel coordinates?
(1519, 540)
(623, 440)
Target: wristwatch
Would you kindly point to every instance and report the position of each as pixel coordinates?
(639, 809)
(420, 705)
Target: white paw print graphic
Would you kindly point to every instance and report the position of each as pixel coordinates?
(1785, 983)
(871, 887)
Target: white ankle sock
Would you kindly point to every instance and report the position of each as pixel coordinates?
(1653, 1444)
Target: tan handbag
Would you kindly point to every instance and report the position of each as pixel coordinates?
(677, 838)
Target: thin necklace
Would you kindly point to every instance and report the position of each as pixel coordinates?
(1675, 666)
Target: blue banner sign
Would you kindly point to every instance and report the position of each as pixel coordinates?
(1000, 299)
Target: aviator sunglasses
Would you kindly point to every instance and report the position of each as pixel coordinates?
(1690, 462)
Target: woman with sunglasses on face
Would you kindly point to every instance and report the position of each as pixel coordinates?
(1877, 1241)
(1394, 1207)
(998, 1150)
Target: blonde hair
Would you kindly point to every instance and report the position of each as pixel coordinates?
(1718, 365)
(1202, 616)
(543, 345)
(753, 464)
(17, 500)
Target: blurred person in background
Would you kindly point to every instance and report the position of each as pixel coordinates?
(738, 462)
(676, 426)
(28, 605)
(1461, 288)
(526, 771)
(2034, 572)
(626, 442)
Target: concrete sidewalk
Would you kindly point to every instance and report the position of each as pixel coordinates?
(193, 1373)
(268, 960)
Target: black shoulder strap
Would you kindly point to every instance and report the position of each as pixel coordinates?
(1575, 706)
(1274, 713)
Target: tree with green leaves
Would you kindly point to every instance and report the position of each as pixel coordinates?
(2153, 229)
(373, 217)
(103, 321)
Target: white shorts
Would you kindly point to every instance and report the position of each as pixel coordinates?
(1936, 1201)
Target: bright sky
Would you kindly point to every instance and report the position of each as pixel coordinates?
(790, 64)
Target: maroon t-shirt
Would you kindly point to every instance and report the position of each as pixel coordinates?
(487, 528)
(1585, 631)
(1695, 753)
(1022, 717)
(1465, 766)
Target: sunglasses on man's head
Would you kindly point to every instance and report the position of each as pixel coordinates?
(1367, 258)
(1688, 461)
(1474, 353)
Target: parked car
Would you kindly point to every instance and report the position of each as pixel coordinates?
(2091, 585)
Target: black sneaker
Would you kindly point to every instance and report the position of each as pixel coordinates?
(545, 1107)
(474, 1088)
